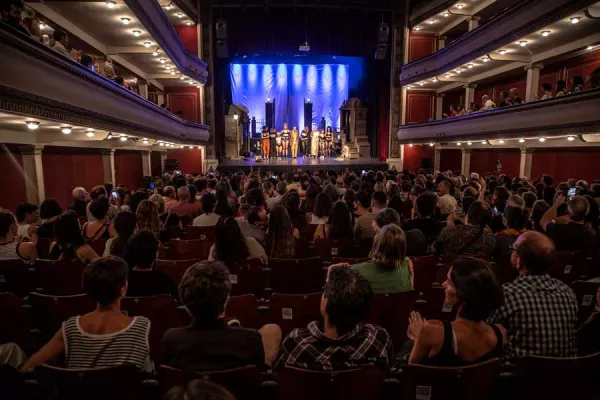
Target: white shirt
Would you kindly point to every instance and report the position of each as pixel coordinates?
(61, 49)
(447, 204)
(273, 201)
(23, 230)
(489, 104)
(210, 219)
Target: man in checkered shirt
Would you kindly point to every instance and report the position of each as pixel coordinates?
(342, 340)
(539, 312)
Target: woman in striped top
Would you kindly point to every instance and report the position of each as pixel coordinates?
(105, 337)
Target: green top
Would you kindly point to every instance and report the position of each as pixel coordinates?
(383, 279)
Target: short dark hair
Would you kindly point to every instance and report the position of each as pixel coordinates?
(536, 251)
(254, 197)
(349, 298)
(476, 287)
(25, 208)
(50, 208)
(58, 35)
(363, 199)
(323, 205)
(547, 87)
(387, 216)
(125, 223)
(140, 250)
(99, 207)
(379, 199)
(254, 214)
(7, 219)
(479, 214)
(204, 289)
(426, 204)
(207, 202)
(467, 201)
(104, 278)
(516, 218)
(98, 191)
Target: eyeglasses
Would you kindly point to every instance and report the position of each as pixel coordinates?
(512, 248)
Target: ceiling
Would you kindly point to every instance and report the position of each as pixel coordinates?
(176, 16)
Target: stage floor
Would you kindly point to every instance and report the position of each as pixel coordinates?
(306, 164)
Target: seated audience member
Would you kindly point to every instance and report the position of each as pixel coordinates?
(504, 99)
(322, 209)
(572, 234)
(208, 216)
(514, 96)
(416, 244)
(291, 202)
(199, 389)
(148, 218)
(363, 227)
(332, 191)
(209, 343)
(515, 220)
(254, 224)
(94, 194)
(10, 248)
(339, 224)
(50, 210)
(281, 234)
(60, 43)
(426, 205)
(27, 218)
(488, 104)
(80, 201)
(529, 198)
(182, 207)
(539, 312)
(105, 337)
(168, 194)
(159, 201)
(446, 202)
(537, 212)
(275, 200)
(341, 340)
(589, 332)
(390, 270)
(223, 205)
(101, 228)
(171, 227)
(136, 198)
(547, 90)
(143, 280)
(70, 244)
(470, 238)
(125, 224)
(362, 203)
(231, 246)
(471, 287)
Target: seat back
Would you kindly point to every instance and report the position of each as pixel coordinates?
(186, 221)
(299, 384)
(465, 383)
(247, 277)
(50, 311)
(302, 248)
(568, 266)
(61, 278)
(201, 233)
(189, 249)
(291, 311)
(436, 307)
(504, 270)
(559, 378)
(351, 261)
(16, 277)
(121, 382)
(14, 321)
(297, 276)
(243, 383)
(244, 308)
(174, 268)
(43, 247)
(425, 269)
(328, 248)
(391, 312)
(586, 298)
(98, 245)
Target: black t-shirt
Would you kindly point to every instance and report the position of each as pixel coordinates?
(430, 227)
(416, 243)
(150, 283)
(571, 237)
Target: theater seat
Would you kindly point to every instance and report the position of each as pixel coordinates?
(329, 248)
(586, 298)
(61, 278)
(201, 233)
(296, 276)
(115, 383)
(174, 268)
(465, 383)
(189, 249)
(446, 262)
(291, 311)
(245, 309)
(248, 277)
(391, 312)
(568, 266)
(14, 321)
(503, 270)
(351, 261)
(50, 311)
(16, 277)
(243, 383)
(425, 269)
(299, 384)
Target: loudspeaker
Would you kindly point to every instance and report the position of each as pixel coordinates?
(308, 108)
(270, 114)
(171, 165)
(381, 51)
(384, 32)
(221, 29)
(222, 51)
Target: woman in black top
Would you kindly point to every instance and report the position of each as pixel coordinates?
(101, 228)
(273, 144)
(471, 287)
(285, 140)
(50, 210)
(328, 141)
(70, 245)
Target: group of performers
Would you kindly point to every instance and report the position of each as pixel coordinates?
(276, 145)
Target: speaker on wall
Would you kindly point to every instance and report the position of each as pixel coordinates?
(381, 51)
(270, 114)
(221, 29)
(384, 32)
(222, 51)
(382, 40)
(308, 108)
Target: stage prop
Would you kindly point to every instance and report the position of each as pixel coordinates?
(354, 128)
(237, 140)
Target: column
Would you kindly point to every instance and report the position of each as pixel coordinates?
(34, 173)
(442, 42)
(473, 22)
(436, 159)
(160, 99)
(108, 165)
(143, 89)
(163, 158)
(533, 81)
(146, 163)
(465, 165)
(469, 94)
(526, 162)
(403, 107)
(439, 106)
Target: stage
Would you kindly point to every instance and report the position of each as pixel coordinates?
(307, 164)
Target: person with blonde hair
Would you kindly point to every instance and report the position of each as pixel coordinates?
(389, 270)
(147, 217)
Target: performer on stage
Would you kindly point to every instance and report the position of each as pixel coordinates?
(273, 144)
(285, 138)
(279, 145)
(264, 138)
(294, 140)
(322, 143)
(329, 141)
(314, 143)
(304, 141)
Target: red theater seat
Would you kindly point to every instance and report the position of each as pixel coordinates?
(16, 277)
(14, 321)
(329, 248)
(248, 277)
(391, 312)
(174, 268)
(245, 309)
(586, 298)
(50, 311)
(568, 266)
(201, 233)
(61, 278)
(189, 249)
(291, 311)
(296, 276)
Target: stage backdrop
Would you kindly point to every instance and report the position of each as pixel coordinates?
(289, 85)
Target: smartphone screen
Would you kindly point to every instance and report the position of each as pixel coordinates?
(114, 194)
(496, 209)
(571, 193)
(151, 186)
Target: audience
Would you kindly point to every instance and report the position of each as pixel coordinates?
(281, 234)
(231, 246)
(446, 202)
(416, 244)
(199, 389)
(148, 217)
(587, 336)
(515, 220)
(208, 216)
(50, 210)
(254, 224)
(339, 224)
(322, 209)
(10, 248)
(27, 218)
(182, 207)
(100, 228)
(424, 221)
(363, 227)
(570, 233)
(80, 202)
(70, 244)
(125, 224)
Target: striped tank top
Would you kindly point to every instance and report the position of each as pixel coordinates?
(9, 251)
(87, 350)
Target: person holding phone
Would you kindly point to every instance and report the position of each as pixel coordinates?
(569, 233)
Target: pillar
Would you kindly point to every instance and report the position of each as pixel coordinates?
(403, 107)
(108, 165)
(442, 42)
(473, 22)
(146, 163)
(436, 159)
(34, 173)
(526, 162)
(163, 158)
(160, 99)
(465, 164)
(439, 106)
(469, 94)
(143, 89)
(533, 81)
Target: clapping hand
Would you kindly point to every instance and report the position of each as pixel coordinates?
(415, 324)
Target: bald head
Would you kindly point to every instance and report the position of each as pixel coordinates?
(79, 193)
(536, 252)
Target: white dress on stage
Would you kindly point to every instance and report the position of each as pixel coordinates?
(314, 143)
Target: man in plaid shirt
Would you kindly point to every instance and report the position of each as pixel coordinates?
(342, 340)
(539, 312)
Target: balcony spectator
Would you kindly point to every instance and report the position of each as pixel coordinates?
(561, 88)
(10, 248)
(504, 99)
(547, 89)
(80, 201)
(595, 79)
(514, 97)
(460, 110)
(12, 11)
(569, 233)
(109, 69)
(33, 26)
(578, 84)
(87, 61)
(60, 43)
(488, 104)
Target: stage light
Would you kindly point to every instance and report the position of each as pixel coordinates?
(523, 43)
(136, 33)
(469, 143)
(501, 141)
(458, 143)
(123, 138)
(570, 138)
(268, 99)
(545, 33)
(111, 4)
(470, 66)
(147, 44)
(575, 20)
(33, 125)
(125, 20)
(145, 141)
(521, 140)
(308, 99)
(66, 130)
(431, 144)
(502, 52)
(446, 14)
(235, 117)
(590, 47)
(542, 139)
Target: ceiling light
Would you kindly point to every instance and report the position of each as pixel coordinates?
(446, 14)
(431, 144)
(542, 139)
(575, 20)
(155, 53)
(545, 33)
(147, 44)
(460, 6)
(182, 77)
(167, 67)
(136, 33)
(89, 133)
(501, 141)
(483, 142)
(42, 26)
(417, 28)
(469, 143)
(570, 138)
(179, 15)
(126, 20)
(502, 52)
(111, 4)
(485, 59)
(198, 86)
(188, 23)
(123, 138)
(523, 43)
(161, 144)
(109, 136)
(521, 140)
(145, 141)
(590, 47)
(66, 130)
(191, 82)
(458, 143)
(431, 21)
(410, 145)
(434, 80)
(421, 83)
(167, 7)
(447, 75)
(198, 147)
(191, 147)
(458, 71)
(470, 66)
(33, 125)
(172, 72)
(162, 60)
